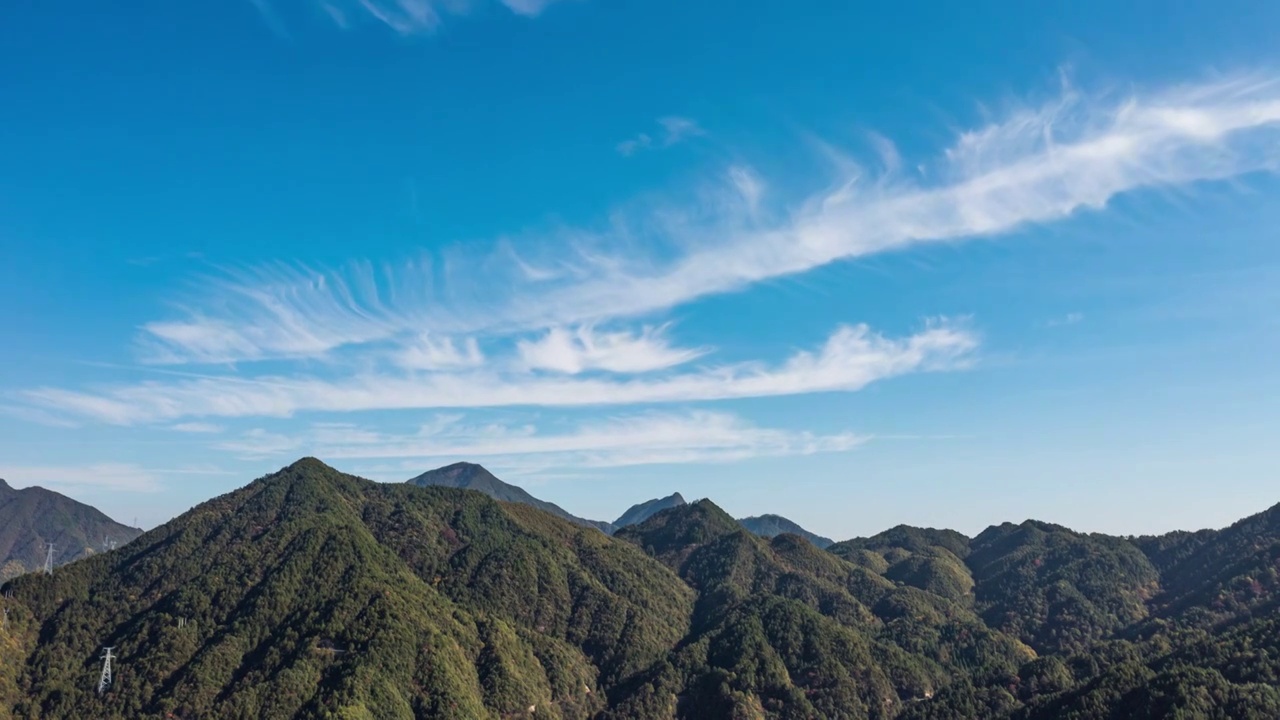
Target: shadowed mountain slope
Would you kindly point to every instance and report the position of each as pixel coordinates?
(640, 512)
(32, 517)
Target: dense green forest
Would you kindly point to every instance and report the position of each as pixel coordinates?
(310, 593)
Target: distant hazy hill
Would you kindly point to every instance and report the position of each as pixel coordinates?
(643, 511)
(770, 525)
(32, 517)
(469, 476)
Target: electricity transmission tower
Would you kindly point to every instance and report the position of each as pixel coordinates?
(104, 681)
(48, 561)
(5, 624)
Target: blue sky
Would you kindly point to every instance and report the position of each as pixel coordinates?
(859, 266)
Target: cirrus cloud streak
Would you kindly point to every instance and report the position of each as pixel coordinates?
(645, 439)
(851, 358)
(1036, 165)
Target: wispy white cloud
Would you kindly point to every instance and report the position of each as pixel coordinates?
(336, 14)
(631, 146)
(851, 358)
(1071, 318)
(1037, 165)
(674, 130)
(645, 439)
(427, 352)
(585, 348)
(410, 336)
(528, 8)
(197, 427)
(258, 443)
(123, 477)
(269, 17)
(405, 17)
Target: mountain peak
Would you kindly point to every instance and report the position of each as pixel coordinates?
(308, 463)
(643, 511)
(463, 465)
(459, 475)
(671, 535)
(770, 525)
(470, 476)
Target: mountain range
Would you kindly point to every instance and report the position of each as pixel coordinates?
(469, 476)
(315, 594)
(33, 517)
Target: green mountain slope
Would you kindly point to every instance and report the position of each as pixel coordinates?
(1056, 589)
(310, 593)
(783, 629)
(1210, 576)
(1210, 646)
(32, 517)
(932, 560)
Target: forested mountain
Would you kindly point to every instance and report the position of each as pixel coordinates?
(33, 517)
(310, 593)
(640, 512)
(469, 476)
(314, 594)
(783, 629)
(771, 525)
(1057, 589)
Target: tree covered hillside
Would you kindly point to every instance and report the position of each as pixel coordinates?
(310, 593)
(314, 594)
(784, 629)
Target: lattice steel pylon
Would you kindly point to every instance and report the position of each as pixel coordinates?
(48, 561)
(104, 680)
